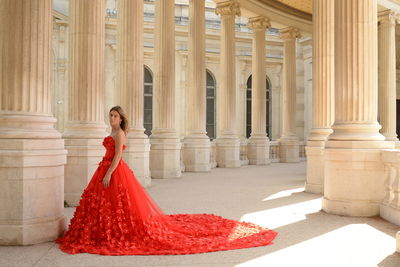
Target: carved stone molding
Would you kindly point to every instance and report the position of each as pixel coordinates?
(259, 23)
(388, 16)
(289, 33)
(228, 8)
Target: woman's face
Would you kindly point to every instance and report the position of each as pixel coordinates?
(115, 118)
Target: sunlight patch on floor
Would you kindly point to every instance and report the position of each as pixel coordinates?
(284, 193)
(277, 217)
(351, 245)
(242, 231)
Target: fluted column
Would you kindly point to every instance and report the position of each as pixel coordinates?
(196, 151)
(85, 128)
(130, 83)
(356, 71)
(228, 143)
(387, 74)
(32, 154)
(353, 168)
(289, 142)
(258, 146)
(323, 92)
(165, 144)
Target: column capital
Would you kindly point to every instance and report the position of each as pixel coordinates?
(230, 7)
(289, 33)
(259, 23)
(388, 17)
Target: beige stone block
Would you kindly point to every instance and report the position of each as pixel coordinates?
(137, 156)
(350, 208)
(165, 158)
(244, 160)
(289, 151)
(15, 173)
(390, 213)
(196, 154)
(83, 158)
(213, 155)
(228, 153)
(29, 144)
(354, 181)
(274, 151)
(390, 155)
(26, 214)
(315, 170)
(371, 144)
(77, 177)
(36, 202)
(31, 233)
(397, 144)
(258, 151)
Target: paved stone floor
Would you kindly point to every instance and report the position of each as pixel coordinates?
(268, 195)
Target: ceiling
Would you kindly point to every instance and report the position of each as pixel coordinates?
(302, 5)
(306, 5)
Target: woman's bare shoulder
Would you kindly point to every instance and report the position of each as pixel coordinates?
(120, 136)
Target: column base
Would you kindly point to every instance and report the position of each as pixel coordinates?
(274, 151)
(314, 188)
(258, 151)
(196, 154)
(289, 151)
(353, 177)
(83, 158)
(25, 233)
(228, 152)
(397, 144)
(389, 213)
(244, 160)
(31, 190)
(137, 156)
(165, 157)
(213, 155)
(351, 208)
(315, 170)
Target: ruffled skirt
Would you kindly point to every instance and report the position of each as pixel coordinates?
(123, 220)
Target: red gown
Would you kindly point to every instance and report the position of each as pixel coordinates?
(124, 220)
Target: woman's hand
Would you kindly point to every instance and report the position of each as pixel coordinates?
(106, 180)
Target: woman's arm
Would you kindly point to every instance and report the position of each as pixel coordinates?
(119, 140)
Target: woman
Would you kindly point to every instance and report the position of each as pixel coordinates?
(116, 216)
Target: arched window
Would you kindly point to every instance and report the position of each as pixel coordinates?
(210, 105)
(148, 101)
(248, 107)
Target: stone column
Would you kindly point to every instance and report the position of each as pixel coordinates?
(323, 92)
(60, 79)
(85, 129)
(130, 83)
(32, 154)
(258, 146)
(228, 143)
(165, 143)
(354, 184)
(289, 142)
(387, 74)
(196, 151)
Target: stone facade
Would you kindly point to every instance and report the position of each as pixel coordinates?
(261, 101)
(243, 62)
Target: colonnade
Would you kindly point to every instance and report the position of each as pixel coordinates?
(345, 139)
(345, 145)
(34, 163)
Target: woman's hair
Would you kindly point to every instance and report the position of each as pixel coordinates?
(124, 121)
